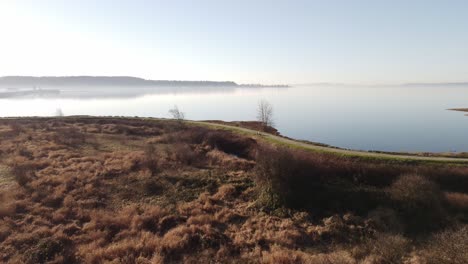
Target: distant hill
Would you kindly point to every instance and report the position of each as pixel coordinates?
(451, 84)
(29, 82)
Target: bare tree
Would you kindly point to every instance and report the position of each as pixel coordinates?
(58, 112)
(176, 114)
(265, 113)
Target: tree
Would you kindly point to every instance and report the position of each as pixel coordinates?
(58, 112)
(176, 114)
(265, 113)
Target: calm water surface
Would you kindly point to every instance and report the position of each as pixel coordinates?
(369, 118)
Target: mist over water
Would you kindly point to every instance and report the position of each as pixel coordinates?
(392, 118)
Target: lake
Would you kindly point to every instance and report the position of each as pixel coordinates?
(389, 118)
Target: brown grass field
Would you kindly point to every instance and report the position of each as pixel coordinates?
(127, 190)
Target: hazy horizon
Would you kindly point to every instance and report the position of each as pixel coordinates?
(294, 42)
(203, 80)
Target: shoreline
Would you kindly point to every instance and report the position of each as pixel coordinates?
(318, 147)
(458, 109)
(254, 125)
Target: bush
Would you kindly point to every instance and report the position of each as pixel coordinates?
(457, 201)
(275, 171)
(447, 247)
(419, 201)
(383, 248)
(7, 206)
(385, 219)
(278, 255)
(69, 137)
(232, 144)
(153, 186)
(314, 182)
(16, 127)
(24, 152)
(151, 160)
(183, 154)
(49, 249)
(23, 172)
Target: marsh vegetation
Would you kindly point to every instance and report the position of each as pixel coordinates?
(117, 190)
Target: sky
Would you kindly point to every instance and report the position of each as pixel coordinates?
(261, 41)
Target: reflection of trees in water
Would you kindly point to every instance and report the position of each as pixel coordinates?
(130, 92)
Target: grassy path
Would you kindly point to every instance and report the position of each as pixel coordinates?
(343, 152)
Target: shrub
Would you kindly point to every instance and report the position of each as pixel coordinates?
(194, 135)
(311, 181)
(448, 178)
(183, 154)
(390, 248)
(16, 127)
(275, 171)
(7, 205)
(232, 144)
(153, 186)
(23, 172)
(383, 248)
(449, 246)
(151, 160)
(69, 137)
(419, 201)
(225, 192)
(278, 255)
(5, 231)
(49, 249)
(385, 219)
(24, 152)
(184, 240)
(457, 201)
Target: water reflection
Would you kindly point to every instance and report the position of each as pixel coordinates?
(114, 92)
(370, 118)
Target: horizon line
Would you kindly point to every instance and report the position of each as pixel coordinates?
(245, 83)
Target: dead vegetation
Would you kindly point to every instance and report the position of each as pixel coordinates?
(111, 190)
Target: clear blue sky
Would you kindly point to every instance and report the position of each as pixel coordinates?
(263, 41)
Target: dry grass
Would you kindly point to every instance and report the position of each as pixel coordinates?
(110, 190)
(383, 248)
(458, 201)
(285, 256)
(448, 247)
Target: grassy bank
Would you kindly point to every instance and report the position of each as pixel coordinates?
(364, 155)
